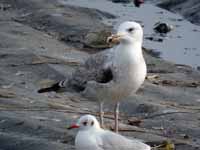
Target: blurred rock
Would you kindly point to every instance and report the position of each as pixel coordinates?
(189, 9)
(121, 1)
(162, 27)
(97, 40)
(146, 108)
(5, 93)
(156, 39)
(138, 2)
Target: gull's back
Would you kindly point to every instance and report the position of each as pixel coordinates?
(113, 141)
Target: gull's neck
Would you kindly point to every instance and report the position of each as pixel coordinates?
(134, 44)
(133, 49)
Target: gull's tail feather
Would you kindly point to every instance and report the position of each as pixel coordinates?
(54, 88)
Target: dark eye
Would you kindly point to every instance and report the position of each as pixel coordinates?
(130, 29)
(85, 123)
(92, 123)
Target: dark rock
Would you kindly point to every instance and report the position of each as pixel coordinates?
(162, 27)
(189, 9)
(154, 39)
(97, 40)
(121, 1)
(4, 7)
(146, 108)
(138, 2)
(185, 136)
(134, 122)
(198, 68)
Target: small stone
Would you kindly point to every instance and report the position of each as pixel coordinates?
(146, 108)
(5, 7)
(162, 27)
(19, 123)
(158, 128)
(198, 68)
(97, 39)
(121, 1)
(154, 39)
(4, 93)
(134, 122)
(138, 2)
(185, 136)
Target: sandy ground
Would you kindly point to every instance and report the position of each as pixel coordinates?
(42, 41)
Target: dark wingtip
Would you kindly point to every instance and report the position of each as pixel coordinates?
(54, 88)
(43, 90)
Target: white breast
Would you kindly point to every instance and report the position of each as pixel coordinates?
(131, 67)
(86, 140)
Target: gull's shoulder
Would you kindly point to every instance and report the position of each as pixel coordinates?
(99, 59)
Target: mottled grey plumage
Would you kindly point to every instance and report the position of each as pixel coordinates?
(97, 68)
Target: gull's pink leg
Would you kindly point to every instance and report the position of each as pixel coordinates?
(101, 113)
(116, 117)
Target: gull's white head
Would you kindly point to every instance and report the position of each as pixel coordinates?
(128, 32)
(86, 122)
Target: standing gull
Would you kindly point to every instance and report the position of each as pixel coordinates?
(92, 137)
(111, 75)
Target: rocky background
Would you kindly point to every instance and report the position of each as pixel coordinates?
(43, 41)
(189, 9)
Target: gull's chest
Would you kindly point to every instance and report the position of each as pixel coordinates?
(124, 61)
(86, 140)
(130, 69)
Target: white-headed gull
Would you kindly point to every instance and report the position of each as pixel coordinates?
(92, 137)
(113, 74)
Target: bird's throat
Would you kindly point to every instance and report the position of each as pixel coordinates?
(129, 52)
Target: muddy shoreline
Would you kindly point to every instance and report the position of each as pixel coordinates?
(42, 41)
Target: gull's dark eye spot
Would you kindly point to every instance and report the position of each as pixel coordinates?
(130, 29)
(85, 123)
(92, 123)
